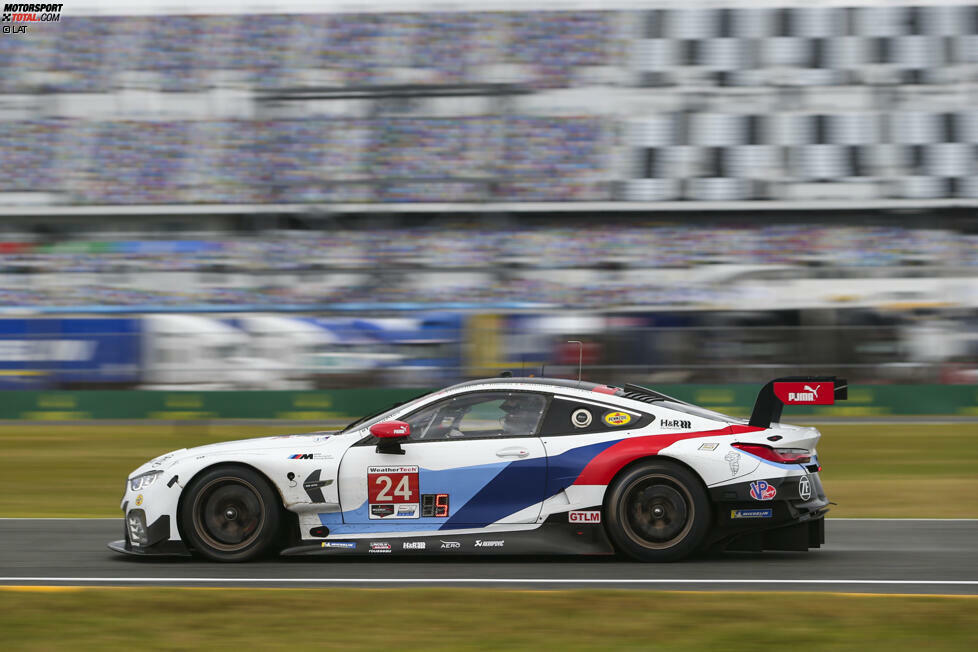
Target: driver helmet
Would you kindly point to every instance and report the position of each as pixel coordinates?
(519, 417)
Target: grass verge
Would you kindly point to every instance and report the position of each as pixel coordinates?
(451, 619)
(872, 470)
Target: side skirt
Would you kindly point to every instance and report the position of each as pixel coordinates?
(555, 536)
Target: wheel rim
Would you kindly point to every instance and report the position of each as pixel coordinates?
(656, 511)
(229, 514)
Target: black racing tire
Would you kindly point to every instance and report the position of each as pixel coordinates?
(230, 514)
(657, 511)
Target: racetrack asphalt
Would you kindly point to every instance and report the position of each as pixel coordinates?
(860, 556)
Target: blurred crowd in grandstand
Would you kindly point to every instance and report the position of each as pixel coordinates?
(870, 100)
(124, 140)
(94, 54)
(370, 263)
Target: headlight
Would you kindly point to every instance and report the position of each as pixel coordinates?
(137, 528)
(143, 480)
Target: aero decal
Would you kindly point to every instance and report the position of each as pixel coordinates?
(519, 485)
(564, 469)
(604, 466)
(465, 482)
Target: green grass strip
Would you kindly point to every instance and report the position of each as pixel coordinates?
(872, 470)
(453, 619)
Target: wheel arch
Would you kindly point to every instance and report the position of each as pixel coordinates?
(289, 520)
(710, 510)
(652, 458)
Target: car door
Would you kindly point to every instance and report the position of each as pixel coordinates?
(471, 459)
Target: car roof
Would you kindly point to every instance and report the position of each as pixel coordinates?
(559, 382)
(629, 391)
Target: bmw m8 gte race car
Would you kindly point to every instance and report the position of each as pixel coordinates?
(502, 465)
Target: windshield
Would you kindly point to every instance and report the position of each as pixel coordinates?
(377, 417)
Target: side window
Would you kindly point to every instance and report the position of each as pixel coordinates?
(570, 417)
(479, 415)
(423, 420)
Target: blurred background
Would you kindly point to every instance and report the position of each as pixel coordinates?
(229, 196)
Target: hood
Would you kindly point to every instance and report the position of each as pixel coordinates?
(253, 445)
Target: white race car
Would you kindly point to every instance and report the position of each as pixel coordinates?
(501, 465)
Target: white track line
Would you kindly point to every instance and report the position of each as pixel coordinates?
(483, 580)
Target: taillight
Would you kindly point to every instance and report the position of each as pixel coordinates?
(779, 455)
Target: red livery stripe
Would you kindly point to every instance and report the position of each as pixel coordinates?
(606, 464)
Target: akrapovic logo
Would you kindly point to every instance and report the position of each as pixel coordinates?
(479, 543)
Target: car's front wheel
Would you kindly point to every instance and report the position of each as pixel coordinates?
(657, 511)
(230, 514)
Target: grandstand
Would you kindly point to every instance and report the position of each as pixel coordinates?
(755, 162)
(639, 105)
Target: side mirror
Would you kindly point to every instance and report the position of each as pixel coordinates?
(391, 430)
(389, 435)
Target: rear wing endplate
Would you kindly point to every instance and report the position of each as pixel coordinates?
(796, 390)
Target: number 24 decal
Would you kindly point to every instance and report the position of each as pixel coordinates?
(403, 489)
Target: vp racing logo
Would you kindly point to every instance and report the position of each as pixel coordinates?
(762, 490)
(28, 13)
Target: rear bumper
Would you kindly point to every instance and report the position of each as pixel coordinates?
(786, 522)
(798, 536)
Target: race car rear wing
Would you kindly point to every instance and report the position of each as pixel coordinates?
(796, 390)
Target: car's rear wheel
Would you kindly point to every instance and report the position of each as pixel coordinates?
(657, 511)
(230, 514)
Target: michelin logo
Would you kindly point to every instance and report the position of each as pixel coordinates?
(350, 545)
(751, 513)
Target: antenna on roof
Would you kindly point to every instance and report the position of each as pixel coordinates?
(580, 356)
